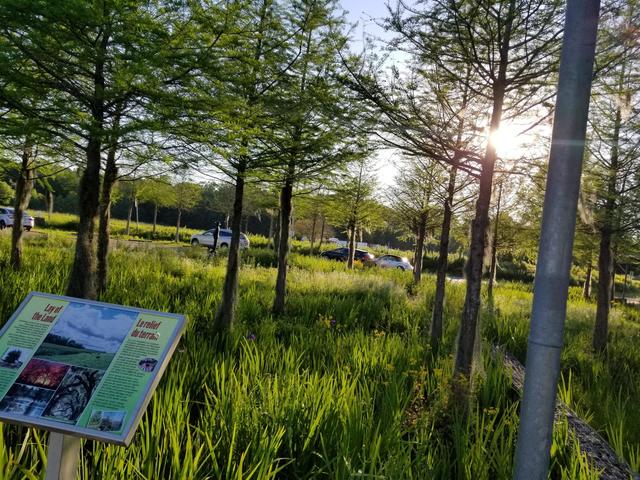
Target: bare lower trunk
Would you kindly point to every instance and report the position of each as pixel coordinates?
(586, 289)
(24, 185)
(613, 277)
(271, 227)
(276, 233)
(155, 220)
(313, 232)
(227, 310)
(49, 202)
(82, 282)
(422, 230)
(178, 225)
(494, 248)
(129, 214)
(443, 260)
(605, 269)
(321, 234)
(135, 204)
(109, 180)
(352, 246)
(283, 252)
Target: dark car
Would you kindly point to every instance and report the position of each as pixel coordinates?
(342, 254)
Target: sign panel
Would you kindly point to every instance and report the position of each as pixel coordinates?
(81, 367)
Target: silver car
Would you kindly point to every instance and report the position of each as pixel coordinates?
(393, 261)
(6, 218)
(224, 239)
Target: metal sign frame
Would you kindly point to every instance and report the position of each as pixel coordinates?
(135, 414)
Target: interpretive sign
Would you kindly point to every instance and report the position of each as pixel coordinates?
(82, 367)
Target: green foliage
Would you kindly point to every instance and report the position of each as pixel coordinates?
(6, 193)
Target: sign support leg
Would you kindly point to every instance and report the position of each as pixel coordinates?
(62, 457)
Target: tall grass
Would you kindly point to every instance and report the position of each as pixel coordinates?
(343, 386)
(603, 388)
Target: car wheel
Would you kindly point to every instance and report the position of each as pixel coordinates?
(401, 268)
(224, 245)
(2, 225)
(28, 229)
(195, 242)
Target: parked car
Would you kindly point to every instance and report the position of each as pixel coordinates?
(224, 239)
(6, 218)
(342, 254)
(393, 261)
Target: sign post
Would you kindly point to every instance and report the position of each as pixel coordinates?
(62, 457)
(81, 368)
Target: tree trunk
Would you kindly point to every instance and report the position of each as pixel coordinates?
(129, 214)
(606, 272)
(586, 289)
(422, 230)
(109, 180)
(470, 313)
(227, 310)
(155, 220)
(178, 225)
(352, 245)
(82, 282)
(24, 185)
(605, 269)
(613, 277)
(321, 233)
(135, 204)
(443, 260)
(49, 203)
(271, 227)
(313, 232)
(286, 194)
(494, 248)
(276, 233)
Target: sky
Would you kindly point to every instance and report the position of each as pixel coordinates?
(365, 14)
(97, 328)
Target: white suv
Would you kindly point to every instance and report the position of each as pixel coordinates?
(393, 261)
(6, 219)
(224, 239)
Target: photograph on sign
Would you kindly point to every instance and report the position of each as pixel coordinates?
(83, 367)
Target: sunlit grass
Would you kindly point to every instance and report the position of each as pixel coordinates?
(343, 386)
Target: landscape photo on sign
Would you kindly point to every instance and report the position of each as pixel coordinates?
(87, 335)
(14, 357)
(73, 394)
(106, 421)
(43, 373)
(26, 400)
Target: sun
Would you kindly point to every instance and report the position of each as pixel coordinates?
(507, 140)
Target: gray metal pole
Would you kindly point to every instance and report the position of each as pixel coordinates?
(62, 457)
(556, 240)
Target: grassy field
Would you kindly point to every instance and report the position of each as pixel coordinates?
(343, 386)
(74, 356)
